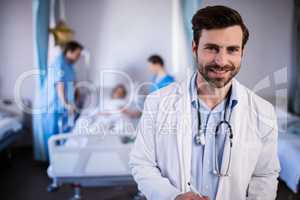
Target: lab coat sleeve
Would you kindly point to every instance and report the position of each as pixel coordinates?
(263, 184)
(143, 159)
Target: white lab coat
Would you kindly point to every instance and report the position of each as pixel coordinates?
(161, 157)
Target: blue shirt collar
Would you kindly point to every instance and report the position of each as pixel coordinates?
(194, 96)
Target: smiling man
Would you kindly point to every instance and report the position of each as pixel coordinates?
(208, 137)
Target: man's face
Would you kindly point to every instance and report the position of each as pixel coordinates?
(154, 68)
(219, 54)
(73, 56)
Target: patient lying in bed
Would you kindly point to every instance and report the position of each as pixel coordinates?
(114, 115)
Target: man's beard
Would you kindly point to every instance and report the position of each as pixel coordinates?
(214, 81)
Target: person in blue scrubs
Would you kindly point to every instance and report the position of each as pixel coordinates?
(161, 77)
(60, 91)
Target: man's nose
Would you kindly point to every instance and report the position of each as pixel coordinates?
(221, 58)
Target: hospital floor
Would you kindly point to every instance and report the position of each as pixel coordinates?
(21, 178)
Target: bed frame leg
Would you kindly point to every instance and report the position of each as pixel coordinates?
(77, 192)
(139, 196)
(53, 186)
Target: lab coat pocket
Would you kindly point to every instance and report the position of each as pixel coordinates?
(250, 153)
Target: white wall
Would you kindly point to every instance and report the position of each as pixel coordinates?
(269, 48)
(16, 45)
(121, 34)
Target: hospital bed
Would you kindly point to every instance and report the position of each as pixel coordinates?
(96, 152)
(289, 149)
(10, 126)
(89, 160)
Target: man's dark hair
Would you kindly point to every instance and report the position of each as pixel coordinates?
(156, 59)
(217, 17)
(72, 46)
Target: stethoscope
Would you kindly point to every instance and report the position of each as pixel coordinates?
(200, 140)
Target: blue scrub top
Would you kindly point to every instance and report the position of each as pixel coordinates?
(60, 71)
(163, 82)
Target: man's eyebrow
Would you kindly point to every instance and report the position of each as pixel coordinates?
(211, 45)
(234, 46)
(218, 46)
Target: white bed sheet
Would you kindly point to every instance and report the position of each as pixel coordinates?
(289, 148)
(89, 156)
(8, 124)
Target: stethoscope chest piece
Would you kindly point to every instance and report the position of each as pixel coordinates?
(200, 138)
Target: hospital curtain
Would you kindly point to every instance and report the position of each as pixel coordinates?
(294, 101)
(182, 35)
(189, 8)
(54, 16)
(41, 35)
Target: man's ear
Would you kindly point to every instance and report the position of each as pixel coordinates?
(242, 52)
(194, 48)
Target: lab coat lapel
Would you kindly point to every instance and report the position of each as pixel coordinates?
(223, 190)
(237, 113)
